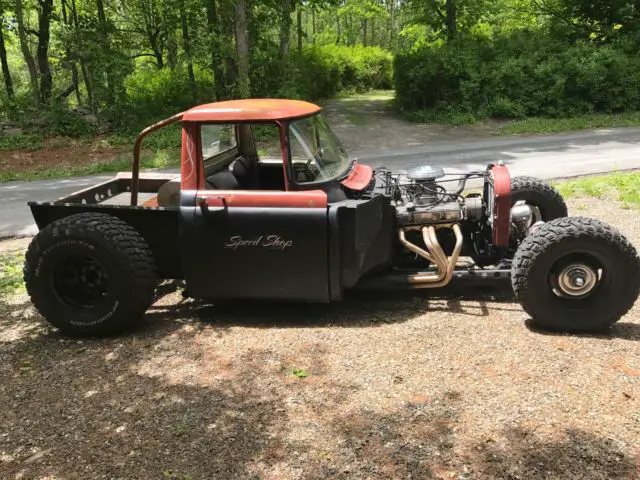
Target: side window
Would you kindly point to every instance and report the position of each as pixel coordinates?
(217, 139)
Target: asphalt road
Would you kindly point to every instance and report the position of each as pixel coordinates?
(547, 157)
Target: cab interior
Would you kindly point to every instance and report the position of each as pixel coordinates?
(234, 160)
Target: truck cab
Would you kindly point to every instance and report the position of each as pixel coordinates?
(268, 204)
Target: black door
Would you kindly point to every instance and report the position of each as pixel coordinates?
(249, 244)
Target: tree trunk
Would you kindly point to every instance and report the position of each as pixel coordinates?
(172, 51)
(337, 29)
(231, 64)
(186, 45)
(106, 47)
(88, 84)
(242, 46)
(313, 25)
(213, 22)
(285, 27)
(392, 23)
(28, 58)
(158, 52)
(102, 18)
(452, 28)
(299, 28)
(74, 70)
(372, 35)
(87, 78)
(364, 32)
(8, 83)
(76, 82)
(44, 24)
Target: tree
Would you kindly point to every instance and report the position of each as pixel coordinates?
(44, 29)
(26, 51)
(8, 83)
(187, 50)
(215, 39)
(285, 26)
(242, 47)
(447, 18)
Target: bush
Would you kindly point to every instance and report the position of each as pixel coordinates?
(153, 93)
(321, 72)
(523, 74)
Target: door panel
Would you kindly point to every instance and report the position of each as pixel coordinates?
(255, 244)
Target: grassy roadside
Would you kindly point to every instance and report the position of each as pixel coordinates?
(11, 273)
(621, 186)
(160, 159)
(539, 125)
(527, 126)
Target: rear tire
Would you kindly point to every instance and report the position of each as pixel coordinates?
(90, 274)
(576, 274)
(540, 194)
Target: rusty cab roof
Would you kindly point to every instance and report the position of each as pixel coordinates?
(250, 110)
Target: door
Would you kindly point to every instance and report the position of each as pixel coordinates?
(255, 244)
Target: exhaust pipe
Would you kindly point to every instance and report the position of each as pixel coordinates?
(444, 266)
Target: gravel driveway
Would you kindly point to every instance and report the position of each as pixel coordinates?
(397, 386)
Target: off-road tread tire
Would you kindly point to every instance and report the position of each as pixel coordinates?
(566, 231)
(539, 193)
(128, 250)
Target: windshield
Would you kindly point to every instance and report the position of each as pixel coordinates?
(316, 153)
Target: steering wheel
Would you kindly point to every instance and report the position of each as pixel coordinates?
(313, 164)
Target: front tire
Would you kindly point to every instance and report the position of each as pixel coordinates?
(90, 274)
(539, 194)
(576, 274)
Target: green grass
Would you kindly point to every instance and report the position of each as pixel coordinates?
(160, 159)
(11, 273)
(531, 125)
(542, 125)
(440, 117)
(624, 186)
(370, 96)
(168, 137)
(18, 142)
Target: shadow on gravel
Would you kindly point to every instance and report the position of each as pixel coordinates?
(622, 330)
(70, 412)
(358, 309)
(161, 403)
(419, 441)
(578, 455)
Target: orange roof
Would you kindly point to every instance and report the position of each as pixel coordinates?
(252, 109)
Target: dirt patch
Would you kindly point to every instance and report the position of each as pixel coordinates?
(438, 385)
(368, 123)
(52, 155)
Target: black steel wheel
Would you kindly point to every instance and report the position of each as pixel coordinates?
(90, 274)
(539, 194)
(576, 274)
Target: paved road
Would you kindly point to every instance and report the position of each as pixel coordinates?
(555, 156)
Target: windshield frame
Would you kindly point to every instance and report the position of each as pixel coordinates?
(290, 170)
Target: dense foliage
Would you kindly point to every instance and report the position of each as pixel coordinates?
(74, 67)
(77, 66)
(575, 58)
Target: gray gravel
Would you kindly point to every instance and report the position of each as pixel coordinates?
(394, 386)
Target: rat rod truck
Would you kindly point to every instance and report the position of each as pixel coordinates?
(310, 223)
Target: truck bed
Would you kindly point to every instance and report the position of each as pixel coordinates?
(158, 225)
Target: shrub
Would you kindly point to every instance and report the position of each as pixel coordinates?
(523, 74)
(321, 72)
(153, 93)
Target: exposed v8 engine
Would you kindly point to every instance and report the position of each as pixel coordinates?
(421, 199)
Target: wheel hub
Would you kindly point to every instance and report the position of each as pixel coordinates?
(577, 280)
(81, 282)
